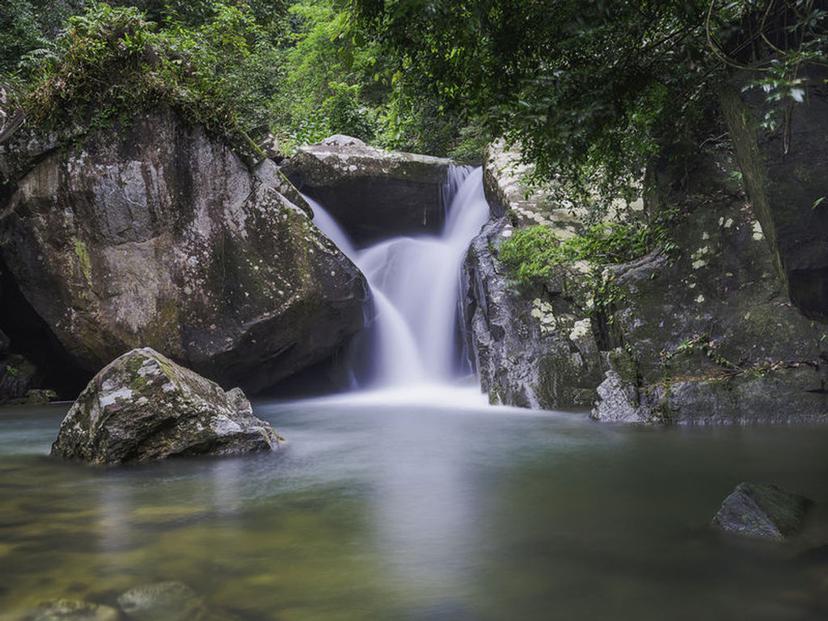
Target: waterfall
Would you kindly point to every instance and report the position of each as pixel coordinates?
(415, 284)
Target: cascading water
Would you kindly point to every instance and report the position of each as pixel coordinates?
(415, 282)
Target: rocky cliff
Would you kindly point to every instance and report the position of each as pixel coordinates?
(700, 332)
(153, 233)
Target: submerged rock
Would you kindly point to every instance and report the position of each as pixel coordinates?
(373, 194)
(162, 601)
(144, 407)
(761, 511)
(70, 610)
(153, 233)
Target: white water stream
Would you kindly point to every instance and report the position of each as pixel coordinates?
(415, 283)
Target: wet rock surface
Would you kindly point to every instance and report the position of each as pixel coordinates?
(144, 407)
(155, 234)
(373, 194)
(760, 511)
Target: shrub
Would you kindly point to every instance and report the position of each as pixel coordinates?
(532, 253)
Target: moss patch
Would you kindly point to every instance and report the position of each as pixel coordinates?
(85, 262)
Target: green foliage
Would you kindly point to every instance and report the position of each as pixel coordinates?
(592, 90)
(300, 69)
(532, 253)
(112, 61)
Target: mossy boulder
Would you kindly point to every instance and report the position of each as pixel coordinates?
(153, 233)
(760, 511)
(372, 193)
(144, 407)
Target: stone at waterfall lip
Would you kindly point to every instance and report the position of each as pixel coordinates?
(145, 407)
(761, 511)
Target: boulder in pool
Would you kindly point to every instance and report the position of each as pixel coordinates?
(144, 407)
(760, 511)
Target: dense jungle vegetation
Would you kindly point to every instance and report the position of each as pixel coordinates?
(590, 90)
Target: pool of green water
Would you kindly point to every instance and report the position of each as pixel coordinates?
(399, 511)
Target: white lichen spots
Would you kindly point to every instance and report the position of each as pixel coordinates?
(581, 330)
(544, 313)
(333, 273)
(224, 426)
(692, 285)
(700, 299)
(747, 316)
(758, 234)
(728, 223)
(705, 235)
(110, 398)
(507, 233)
(698, 261)
(168, 387)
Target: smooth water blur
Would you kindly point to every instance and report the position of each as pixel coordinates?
(415, 283)
(378, 509)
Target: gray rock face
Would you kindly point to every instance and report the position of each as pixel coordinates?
(154, 234)
(709, 335)
(372, 193)
(528, 351)
(784, 175)
(144, 407)
(762, 512)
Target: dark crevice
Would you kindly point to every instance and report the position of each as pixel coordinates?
(30, 337)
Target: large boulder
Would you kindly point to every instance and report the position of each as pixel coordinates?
(156, 234)
(760, 511)
(144, 407)
(784, 173)
(373, 194)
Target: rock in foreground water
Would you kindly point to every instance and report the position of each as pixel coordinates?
(162, 601)
(144, 407)
(762, 512)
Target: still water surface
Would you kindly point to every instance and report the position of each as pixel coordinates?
(377, 509)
